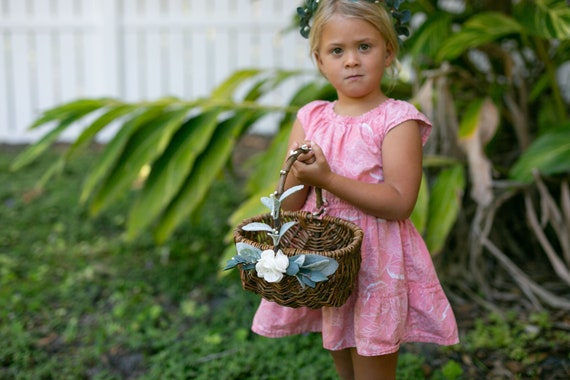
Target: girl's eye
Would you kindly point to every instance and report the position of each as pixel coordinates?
(364, 47)
(336, 51)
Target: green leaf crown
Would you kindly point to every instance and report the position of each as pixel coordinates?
(401, 18)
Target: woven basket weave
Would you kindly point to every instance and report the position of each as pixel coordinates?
(327, 236)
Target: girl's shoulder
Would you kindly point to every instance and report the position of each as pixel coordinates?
(401, 109)
(314, 107)
(396, 112)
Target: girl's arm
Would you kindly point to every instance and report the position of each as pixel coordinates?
(393, 199)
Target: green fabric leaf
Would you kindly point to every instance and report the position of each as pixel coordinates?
(317, 276)
(323, 264)
(256, 226)
(248, 252)
(307, 281)
(290, 191)
(293, 268)
(285, 227)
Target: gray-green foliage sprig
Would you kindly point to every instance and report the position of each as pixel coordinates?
(309, 269)
(401, 17)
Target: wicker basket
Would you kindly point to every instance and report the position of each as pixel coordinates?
(318, 235)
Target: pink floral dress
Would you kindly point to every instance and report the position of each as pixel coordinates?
(398, 297)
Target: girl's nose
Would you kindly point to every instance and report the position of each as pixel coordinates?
(351, 59)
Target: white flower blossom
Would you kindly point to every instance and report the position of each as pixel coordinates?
(271, 266)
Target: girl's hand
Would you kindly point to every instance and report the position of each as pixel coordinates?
(312, 168)
(306, 158)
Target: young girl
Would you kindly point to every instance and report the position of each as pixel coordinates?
(367, 157)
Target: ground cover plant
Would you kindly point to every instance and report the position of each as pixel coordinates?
(78, 302)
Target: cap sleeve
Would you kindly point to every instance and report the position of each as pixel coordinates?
(309, 112)
(404, 111)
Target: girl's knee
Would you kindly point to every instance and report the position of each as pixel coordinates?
(381, 367)
(343, 363)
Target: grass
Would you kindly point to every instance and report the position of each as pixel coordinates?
(78, 302)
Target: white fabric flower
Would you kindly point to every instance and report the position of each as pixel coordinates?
(271, 266)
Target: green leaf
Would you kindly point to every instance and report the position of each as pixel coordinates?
(549, 154)
(307, 281)
(444, 206)
(293, 268)
(325, 265)
(170, 169)
(256, 226)
(268, 165)
(548, 19)
(39, 147)
(248, 209)
(141, 149)
(428, 39)
(115, 147)
(470, 120)
(112, 114)
(478, 30)
(267, 84)
(207, 166)
(317, 276)
(66, 110)
(285, 227)
(248, 252)
(420, 213)
(227, 89)
(290, 191)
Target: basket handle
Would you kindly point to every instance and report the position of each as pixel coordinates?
(321, 202)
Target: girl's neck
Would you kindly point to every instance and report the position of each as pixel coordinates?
(357, 107)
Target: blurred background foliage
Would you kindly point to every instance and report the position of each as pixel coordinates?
(493, 76)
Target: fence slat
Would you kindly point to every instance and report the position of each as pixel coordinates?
(53, 51)
(174, 73)
(5, 120)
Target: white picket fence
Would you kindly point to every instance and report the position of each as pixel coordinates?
(54, 51)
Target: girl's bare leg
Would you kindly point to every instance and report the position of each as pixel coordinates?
(351, 366)
(343, 363)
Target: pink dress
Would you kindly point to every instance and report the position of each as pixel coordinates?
(398, 297)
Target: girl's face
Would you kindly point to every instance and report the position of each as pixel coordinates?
(352, 55)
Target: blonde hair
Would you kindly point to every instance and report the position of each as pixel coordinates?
(373, 12)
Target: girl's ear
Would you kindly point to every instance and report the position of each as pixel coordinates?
(319, 63)
(389, 56)
(317, 59)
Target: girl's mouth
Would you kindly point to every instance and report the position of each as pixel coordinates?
(354, 77)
